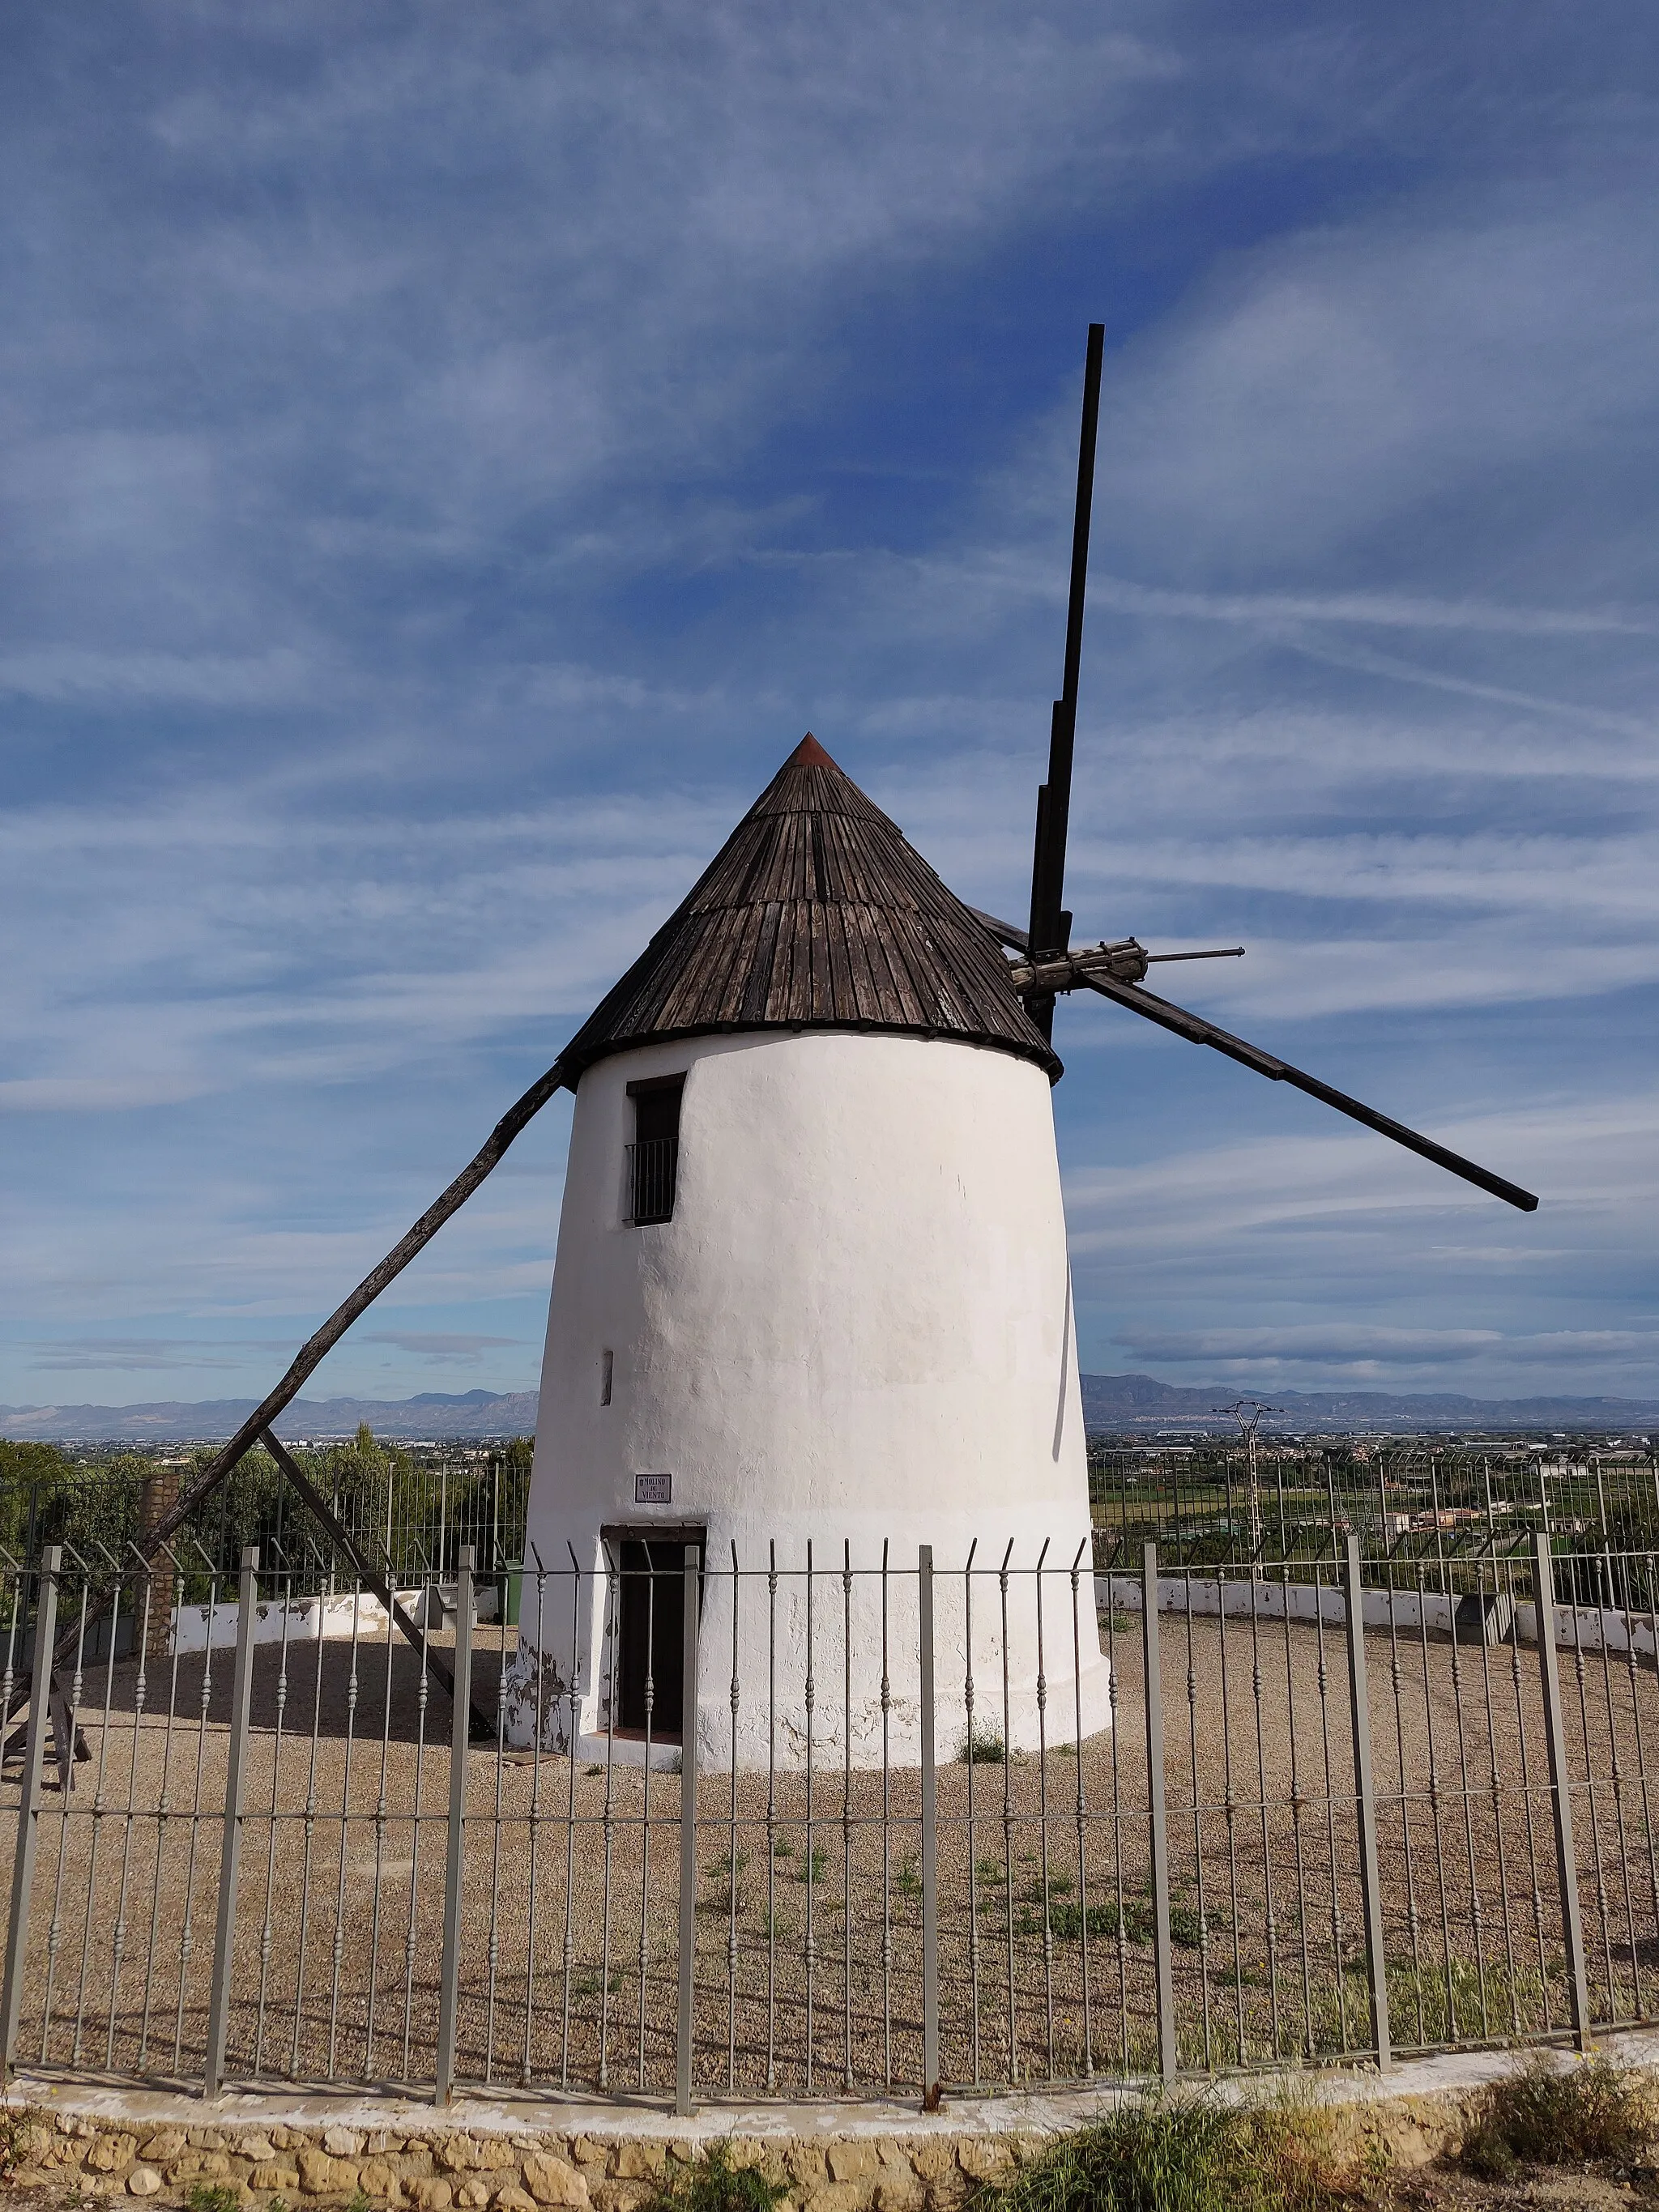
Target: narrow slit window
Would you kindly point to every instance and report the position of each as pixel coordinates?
(607, 1368)
(654, 1157)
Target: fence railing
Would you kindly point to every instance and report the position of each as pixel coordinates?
(413, 1510)
(871, 1836)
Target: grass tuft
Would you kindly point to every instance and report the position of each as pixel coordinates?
(1180, 2154)
(712, 2184)
(982, 1748)
(216, 2197)
(17, 2126)
(1106, 1920)
(1547, 2114)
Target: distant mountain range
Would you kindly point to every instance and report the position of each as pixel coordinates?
(1122, 1402)
(1119, 1403)
(434, 1414)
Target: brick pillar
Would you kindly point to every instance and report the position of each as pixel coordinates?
(159, 1496)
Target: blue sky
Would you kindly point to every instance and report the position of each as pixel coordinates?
(450, 456)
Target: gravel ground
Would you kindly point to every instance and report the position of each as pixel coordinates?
(809, 1953)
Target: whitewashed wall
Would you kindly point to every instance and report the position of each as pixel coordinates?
(856, 1329)
(317, 1620)
(1582, 1628)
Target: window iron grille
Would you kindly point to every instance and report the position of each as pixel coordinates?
(652, 1171)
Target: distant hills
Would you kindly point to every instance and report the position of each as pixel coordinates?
(434, 1414)
(1122, 1402)
(1119, 1403)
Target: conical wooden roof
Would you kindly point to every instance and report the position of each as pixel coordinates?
(816, 913)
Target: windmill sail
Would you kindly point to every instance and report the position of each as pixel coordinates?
(1197, 1030)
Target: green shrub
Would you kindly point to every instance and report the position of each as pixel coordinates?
(712, 2184)
(1180, 2155)
(1549, 2114)
(983, 1748)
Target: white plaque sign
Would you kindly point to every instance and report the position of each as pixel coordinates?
(653, 1490)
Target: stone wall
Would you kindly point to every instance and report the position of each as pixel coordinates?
(436, 2168)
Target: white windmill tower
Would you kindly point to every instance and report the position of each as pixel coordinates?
(811, 1285)
(812, 1281)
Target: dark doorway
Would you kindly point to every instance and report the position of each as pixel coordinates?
(650, 1633)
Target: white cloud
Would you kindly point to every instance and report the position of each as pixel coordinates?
(436, 459)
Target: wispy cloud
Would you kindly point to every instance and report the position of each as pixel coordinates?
(435, 1349)
(1376, 1350)
(136, 1354)
(450, 460)
(1277, 610)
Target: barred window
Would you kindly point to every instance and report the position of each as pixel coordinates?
(654, 1157)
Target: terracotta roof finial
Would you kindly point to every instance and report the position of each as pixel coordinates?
(809, 753)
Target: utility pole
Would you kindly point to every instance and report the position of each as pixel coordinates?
(1248, 1412)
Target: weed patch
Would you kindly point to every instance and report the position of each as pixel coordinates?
(712, 2184)
(1547, 2114)
(983, 1747)
(587, 1985)
(1110, 1919)
(1186, 2154)
(17, 2126)
(212, 2196)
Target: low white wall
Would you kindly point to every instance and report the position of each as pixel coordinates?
(316, 1620)
(1585, 1628)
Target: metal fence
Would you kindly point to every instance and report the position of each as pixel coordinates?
(1361, 1798)
(412, 1509)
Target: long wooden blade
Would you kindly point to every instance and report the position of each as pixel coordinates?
(1197, 1030)
(316, 1348)
(1048, 928)
(366, 1571)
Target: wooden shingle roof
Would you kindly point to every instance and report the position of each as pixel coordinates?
(816, 913)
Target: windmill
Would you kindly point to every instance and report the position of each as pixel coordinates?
(811, 1283)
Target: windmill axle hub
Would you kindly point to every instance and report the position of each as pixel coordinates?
(1070, 971)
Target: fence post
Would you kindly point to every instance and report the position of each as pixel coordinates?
(449, 1984)
(28, 1809)
(230, 1853)
(1555, 1733)
(1371, 1887)
(930, 2076)
(688, 1827)
(1161, 1941)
